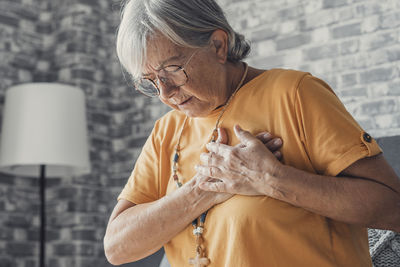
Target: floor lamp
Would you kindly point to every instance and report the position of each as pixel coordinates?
(44, 133)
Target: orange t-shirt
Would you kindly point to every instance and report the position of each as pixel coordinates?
(319, 136)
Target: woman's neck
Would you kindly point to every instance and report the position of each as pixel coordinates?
(234, 76)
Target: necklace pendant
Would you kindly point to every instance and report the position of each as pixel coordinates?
(200, 260)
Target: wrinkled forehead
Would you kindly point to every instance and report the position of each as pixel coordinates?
(161, 51)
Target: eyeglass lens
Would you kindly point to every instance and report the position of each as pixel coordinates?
(170, 76)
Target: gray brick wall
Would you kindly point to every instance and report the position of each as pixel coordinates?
(70, 42)
(354, 45)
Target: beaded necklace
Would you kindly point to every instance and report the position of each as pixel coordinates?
(198, 223)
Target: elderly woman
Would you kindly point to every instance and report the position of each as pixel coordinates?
(232, 202)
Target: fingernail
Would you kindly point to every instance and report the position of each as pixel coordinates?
(277, 142)
(267, 135)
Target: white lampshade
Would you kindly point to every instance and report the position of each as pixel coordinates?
(44, 124)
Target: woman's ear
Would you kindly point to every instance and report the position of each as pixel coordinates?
(219, 44)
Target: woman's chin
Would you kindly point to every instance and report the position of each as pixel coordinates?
(190, 113)
(194, 112)
(192, 109)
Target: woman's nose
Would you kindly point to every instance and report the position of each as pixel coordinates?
(167, 90)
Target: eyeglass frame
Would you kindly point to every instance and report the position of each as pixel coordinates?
(182, 67)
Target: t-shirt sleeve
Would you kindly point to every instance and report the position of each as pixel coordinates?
(143, 183)
(332, 138)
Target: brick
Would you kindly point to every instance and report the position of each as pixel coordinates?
(378, 40)
(20, 234)
(20, 249)
(322, 18)
(6, 234)
(344, 14)
(319, 52)
(349, 47)
(333, 3)
(117, 182)
(44, 27)
(376, 107)
(353, 62)
(89, 180)
(65, 249)
(376, 75)
(367, 123)
(394, 89)
(44, 77)
(56, 262)
(18, 220)
(292, 41)
(349, 79)
(82, 74)
(370, 24)
(65, 35)
(137, 142)
(118, 105)
(53, 181)
(393, 54)
(84, 235)
(62, 220)
(30, 263)
(6, 179)
(7, 262)
(321, 35)
(378, 57)
(348, 30)
(120, 156)
(269, 61)
(23, 61)
(87, 250)
(386, 121)
(90, 220)
(391, 20)
(8, 20)
(369, 8)
(263, 34)
(291, 12)
(102, 118)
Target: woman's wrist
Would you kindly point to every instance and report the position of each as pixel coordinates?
(197, 200)
(275, 181)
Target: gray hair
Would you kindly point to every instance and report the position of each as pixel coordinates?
(188, 23)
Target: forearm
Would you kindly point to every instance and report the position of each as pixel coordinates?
(350, 200)
(143, 229)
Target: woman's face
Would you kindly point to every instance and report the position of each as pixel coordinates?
(206, 86)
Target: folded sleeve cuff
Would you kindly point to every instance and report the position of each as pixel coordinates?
(367, 147)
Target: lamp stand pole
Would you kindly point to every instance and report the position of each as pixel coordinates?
(42, 215)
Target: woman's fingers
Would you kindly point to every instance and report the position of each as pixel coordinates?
(211, 159)
(264, 137)
(278, 155)
(222, 136)
(274, 144)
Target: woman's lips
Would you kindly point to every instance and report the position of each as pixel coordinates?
(185, 102)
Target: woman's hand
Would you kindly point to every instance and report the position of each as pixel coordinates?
(242, 169)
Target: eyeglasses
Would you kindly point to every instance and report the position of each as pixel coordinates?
(171, 76)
